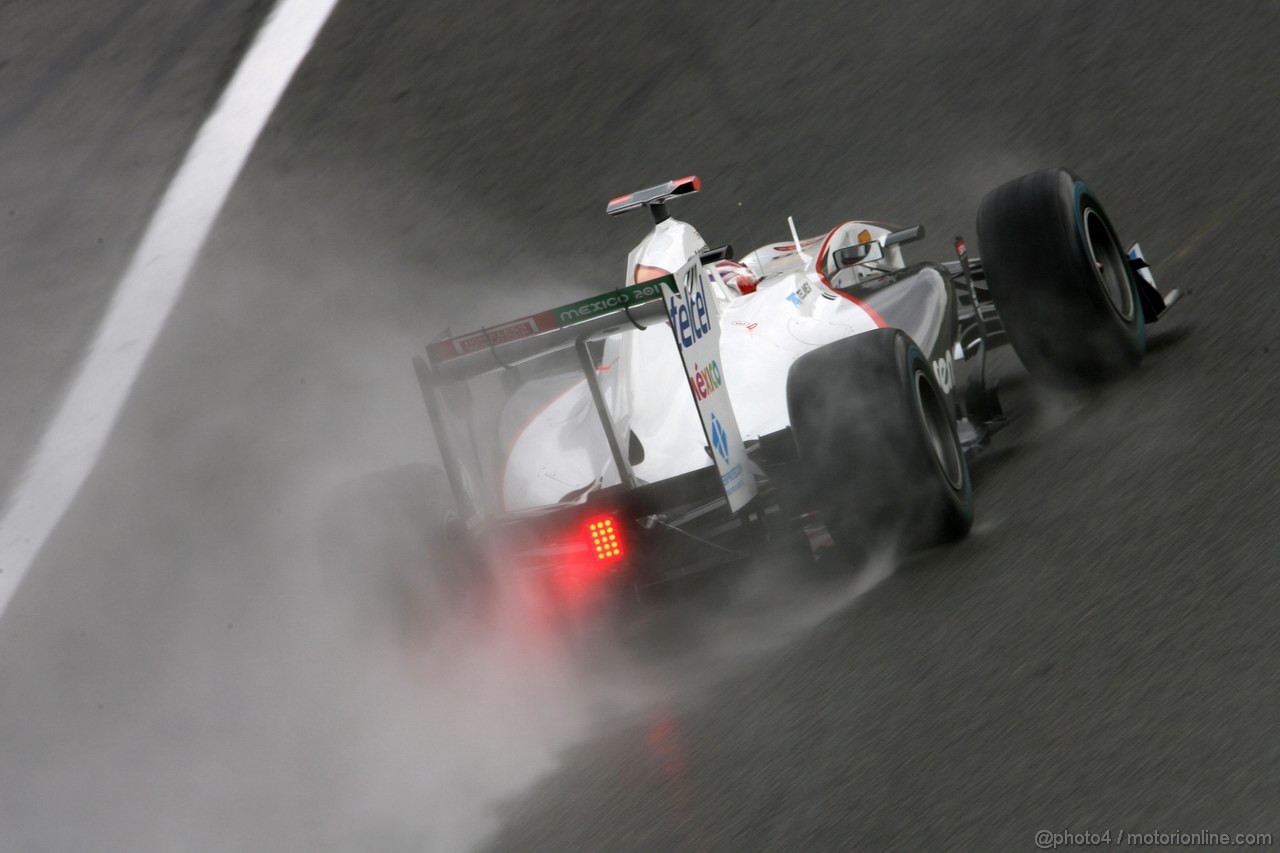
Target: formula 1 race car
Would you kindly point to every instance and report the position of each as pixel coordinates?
(820, 393)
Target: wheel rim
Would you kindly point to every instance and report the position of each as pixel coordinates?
(1109, 264)
(938, 427)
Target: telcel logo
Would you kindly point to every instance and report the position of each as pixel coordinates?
(690, 318)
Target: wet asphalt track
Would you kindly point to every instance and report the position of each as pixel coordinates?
(1099, 654)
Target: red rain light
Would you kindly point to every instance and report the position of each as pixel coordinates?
(603, 539)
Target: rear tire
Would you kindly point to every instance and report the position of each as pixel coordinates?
(1060, 279)
(878, 445)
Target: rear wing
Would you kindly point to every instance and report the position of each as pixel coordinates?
(454, 360)
(636, 306)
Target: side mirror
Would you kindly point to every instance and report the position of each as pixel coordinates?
(906, 235)
(859, 253)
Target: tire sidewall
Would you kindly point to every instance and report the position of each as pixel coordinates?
(959, 504)
(1083, 199)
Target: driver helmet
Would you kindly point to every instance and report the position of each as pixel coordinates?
(738, 277)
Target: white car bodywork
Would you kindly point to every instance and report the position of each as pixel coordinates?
(561, 450)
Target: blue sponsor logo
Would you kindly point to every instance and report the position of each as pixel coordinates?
(801, 292)
(733, 481)
(719, 438)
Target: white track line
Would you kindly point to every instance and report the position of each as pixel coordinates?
(77, 433)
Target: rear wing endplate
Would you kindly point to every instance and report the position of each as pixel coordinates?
(638, 306)
(454, 360)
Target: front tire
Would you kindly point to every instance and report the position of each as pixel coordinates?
(1060, 280)
(878, 445)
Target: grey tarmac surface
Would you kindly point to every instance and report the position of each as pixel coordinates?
(186, 668)
(98, 103)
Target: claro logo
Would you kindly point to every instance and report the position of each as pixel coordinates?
(705, 379)
(690, 318)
